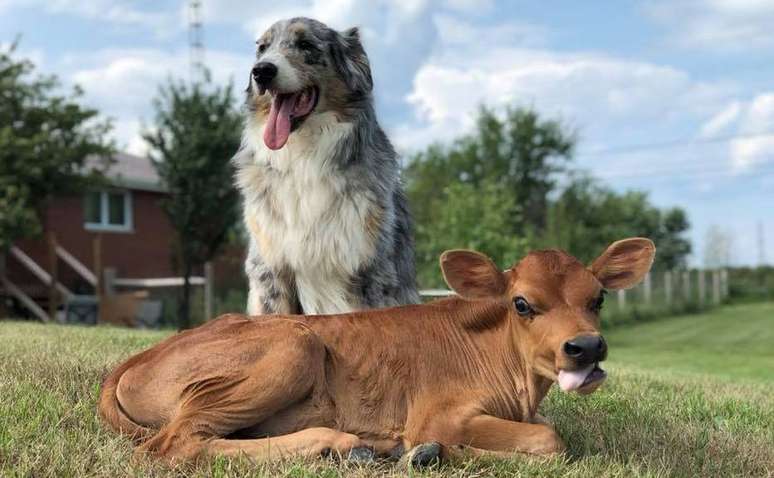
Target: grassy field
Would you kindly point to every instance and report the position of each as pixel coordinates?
(687, 396)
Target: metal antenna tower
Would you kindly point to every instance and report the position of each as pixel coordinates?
(195, 41)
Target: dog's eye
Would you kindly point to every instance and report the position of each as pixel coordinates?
(305, 45)
(522, 306)
(262, 47)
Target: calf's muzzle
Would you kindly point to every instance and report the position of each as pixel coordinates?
(586, 349)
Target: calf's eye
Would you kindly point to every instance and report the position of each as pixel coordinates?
(522, 306)
(596, 304)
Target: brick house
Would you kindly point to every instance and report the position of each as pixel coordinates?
(135, 236)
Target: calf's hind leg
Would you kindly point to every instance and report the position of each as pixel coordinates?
(305, 443)
(213, 407)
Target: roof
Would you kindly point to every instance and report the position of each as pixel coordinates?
(133, 172)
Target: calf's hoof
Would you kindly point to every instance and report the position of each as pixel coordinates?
(361, 454)
(423, 455)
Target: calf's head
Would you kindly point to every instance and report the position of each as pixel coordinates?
(553, 303)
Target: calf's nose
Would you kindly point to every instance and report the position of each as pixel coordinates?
(586, 349)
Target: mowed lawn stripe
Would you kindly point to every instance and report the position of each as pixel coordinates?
(735, 343)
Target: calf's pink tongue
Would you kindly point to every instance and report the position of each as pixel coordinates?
(278, 123)
(570, 380)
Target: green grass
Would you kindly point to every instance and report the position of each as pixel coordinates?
(687, 396)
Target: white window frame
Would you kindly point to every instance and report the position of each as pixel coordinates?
(104, 224)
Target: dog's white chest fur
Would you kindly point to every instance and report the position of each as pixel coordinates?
(300, 215)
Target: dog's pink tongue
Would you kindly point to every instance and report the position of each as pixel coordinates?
(278, 124)
(570, 380)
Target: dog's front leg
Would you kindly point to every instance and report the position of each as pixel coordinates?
(271, 291)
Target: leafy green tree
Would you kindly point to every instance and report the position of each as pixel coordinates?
(50, 145)
(468, 217)
(521, 152)
(488, 190)
(196, 132)
(587, 216)
(673, 246)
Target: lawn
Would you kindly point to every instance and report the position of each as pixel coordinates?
(687, 396)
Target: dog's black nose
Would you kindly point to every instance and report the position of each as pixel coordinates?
(264, 72)
(586, 349)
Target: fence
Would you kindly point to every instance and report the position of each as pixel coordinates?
(111, 285)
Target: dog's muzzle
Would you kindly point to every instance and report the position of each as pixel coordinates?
(264, 73)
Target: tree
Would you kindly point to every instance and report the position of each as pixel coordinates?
(497, 190)
(718, 243)
(673, 246)
(468, 217)
(587, 216)
(49, 145)
(521, 152)
(488, 190)
(196, 132)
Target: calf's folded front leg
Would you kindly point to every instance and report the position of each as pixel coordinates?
(485, 435)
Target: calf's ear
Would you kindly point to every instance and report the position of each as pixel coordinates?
(472, 274)
(624, 263)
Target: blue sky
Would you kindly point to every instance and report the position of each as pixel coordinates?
(674, 97)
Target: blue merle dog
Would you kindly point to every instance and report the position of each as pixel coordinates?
(328, 222)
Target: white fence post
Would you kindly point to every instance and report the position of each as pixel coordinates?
(702, 288)
(621, 299)
(724, 283)
(208, 286)
(687, 285)
(716, 287)
(109, 285)
(647, 290)
(668, 287)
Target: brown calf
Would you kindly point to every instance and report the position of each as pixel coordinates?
(467, 372)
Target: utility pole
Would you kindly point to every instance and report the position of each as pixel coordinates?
(761, 245)
(195, 41)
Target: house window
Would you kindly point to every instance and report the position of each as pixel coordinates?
(108, 211)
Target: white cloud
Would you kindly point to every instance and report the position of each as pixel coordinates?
(471, 6)
(716, 25)
(118, 12)
(123, 83)
(753, 122)
(454, 31)
(605, 94)
(758, 119)
(721, 121)
(381, 16)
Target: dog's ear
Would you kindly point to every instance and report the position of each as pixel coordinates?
(351, 61)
